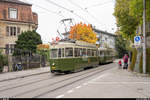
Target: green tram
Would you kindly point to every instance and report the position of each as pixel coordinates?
(72, 56)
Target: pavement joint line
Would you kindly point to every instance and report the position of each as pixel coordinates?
(70, 91)
(120, 83)
(85, 83)
(78, 87)
(60, 96)
(99, 77)
(23, 76)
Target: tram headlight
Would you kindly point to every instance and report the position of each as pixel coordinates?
(53, 64)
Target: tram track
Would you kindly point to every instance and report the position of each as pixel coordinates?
(29, 83)
(77, 80)
(94, 72)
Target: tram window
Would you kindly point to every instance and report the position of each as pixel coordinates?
(76, 52)
(105, 53)
(59, 52)
(88, 52)
(54, 53)
(92, 52)
(62, 51)
(102, 53)
(69, 52)
(99, 53)
(108, 53)
(84, 52)
(80, 52)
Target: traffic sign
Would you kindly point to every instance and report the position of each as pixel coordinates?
(137, 40)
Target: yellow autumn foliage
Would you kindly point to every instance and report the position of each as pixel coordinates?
(43, 46)
(83, 32)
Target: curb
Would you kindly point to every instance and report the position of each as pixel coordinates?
(141, 74)
(24, 76)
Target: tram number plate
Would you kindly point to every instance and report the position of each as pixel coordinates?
(53, 67)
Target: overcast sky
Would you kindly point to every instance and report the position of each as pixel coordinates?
(51, 12)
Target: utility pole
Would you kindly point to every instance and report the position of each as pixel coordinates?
(144, 37)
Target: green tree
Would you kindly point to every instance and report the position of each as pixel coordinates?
(129, 14)
(3, 61)
(27, 43)
(136, 10)
(127, 24)
(121, 46)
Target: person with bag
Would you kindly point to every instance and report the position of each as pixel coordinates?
(125, 60)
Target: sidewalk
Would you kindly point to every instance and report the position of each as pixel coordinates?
(114, 83)
(25, 73)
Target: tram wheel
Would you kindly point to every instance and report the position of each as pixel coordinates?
(66, 72)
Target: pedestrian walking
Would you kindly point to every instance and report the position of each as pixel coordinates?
(125, 60)
(119, 64)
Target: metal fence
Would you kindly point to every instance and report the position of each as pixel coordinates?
(22, 62)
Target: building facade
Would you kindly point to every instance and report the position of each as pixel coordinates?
(105, 39)
(15, 18)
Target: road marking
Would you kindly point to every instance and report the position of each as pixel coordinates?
(59, 96)
(99, 77)
(70, 91)
(119, 82)
(85, 83)
(78, 87)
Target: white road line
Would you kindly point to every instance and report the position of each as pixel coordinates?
(120, 83)
(59, 96)
(99, 77)
(70, 91)
(85, 83)
(78, 87)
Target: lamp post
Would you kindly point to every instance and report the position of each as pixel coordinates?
(144, 38)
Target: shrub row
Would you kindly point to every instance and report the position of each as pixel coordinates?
(134, 57)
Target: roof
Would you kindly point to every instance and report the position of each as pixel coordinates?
(16, 2)
(104, 32)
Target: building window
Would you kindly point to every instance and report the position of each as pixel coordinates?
(9, 48)
(12, 31)
(13, 13)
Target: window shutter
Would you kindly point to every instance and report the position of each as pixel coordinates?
(7, 31)
(15, 31)
(18, 30)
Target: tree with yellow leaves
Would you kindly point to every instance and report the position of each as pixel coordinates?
(83, 32)
(43, 49)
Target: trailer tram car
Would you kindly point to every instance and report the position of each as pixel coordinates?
(72, 56)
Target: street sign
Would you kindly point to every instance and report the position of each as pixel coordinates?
(137, 40)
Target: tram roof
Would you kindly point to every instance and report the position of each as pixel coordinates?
(64, 43)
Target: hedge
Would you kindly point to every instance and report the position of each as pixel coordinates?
(134, 56)
(3, 62)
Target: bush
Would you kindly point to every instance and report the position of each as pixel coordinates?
(3, 61)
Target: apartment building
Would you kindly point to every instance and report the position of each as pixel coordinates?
(105, 39)
(15, 17)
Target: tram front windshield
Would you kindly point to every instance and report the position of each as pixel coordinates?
(54, 53)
